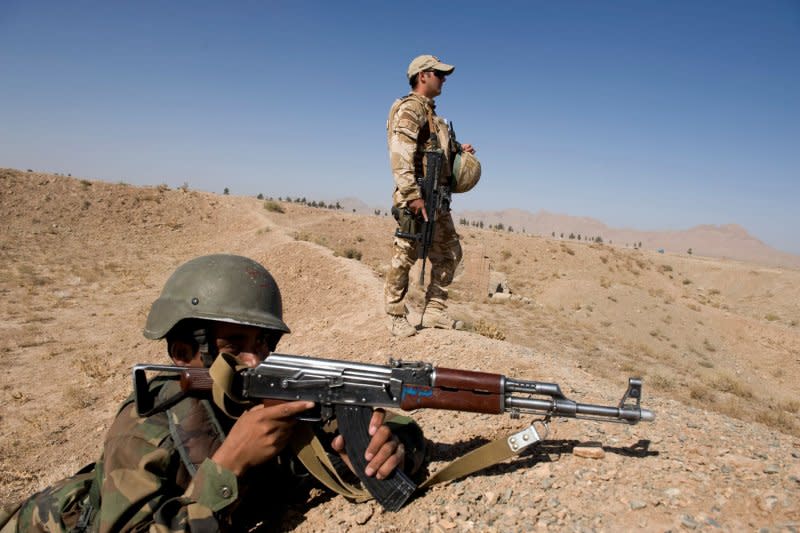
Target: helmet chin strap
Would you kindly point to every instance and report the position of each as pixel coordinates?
(207, 345)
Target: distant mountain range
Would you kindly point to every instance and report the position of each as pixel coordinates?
(729, 241)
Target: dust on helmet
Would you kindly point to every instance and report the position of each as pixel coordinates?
(466, 172)
(221, 287)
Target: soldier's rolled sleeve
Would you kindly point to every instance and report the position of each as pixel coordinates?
(213, 486)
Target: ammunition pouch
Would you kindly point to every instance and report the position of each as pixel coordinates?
(409, 224)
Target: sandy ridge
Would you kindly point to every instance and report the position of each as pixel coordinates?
(77, 280)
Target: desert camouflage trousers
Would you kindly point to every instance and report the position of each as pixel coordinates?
(444, 256)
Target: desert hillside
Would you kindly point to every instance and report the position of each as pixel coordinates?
(717, 343)
(726, 241)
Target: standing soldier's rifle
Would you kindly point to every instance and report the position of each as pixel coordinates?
(434, 199)
(430, 194)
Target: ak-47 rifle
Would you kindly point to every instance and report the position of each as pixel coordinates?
(430, 194)
(349, 391)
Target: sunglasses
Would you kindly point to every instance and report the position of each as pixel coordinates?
(438, 73)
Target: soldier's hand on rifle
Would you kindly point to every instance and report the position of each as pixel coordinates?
(418, 205)
(384, 452)
(259, 435)
(468, 148)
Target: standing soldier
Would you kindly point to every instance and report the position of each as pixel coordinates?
(413, 128)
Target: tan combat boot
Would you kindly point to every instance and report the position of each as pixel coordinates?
(399, 326)
(438, 318)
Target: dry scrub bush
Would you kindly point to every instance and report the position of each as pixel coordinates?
(352, 253)
(488, 329)
(79, 397)
(792, 406)
(777, 418)
(273, 206)
(308, 237)
(726, 383)
(630, 368)
(661, 382)
(701, 393)
(644, 350)
(93, 368)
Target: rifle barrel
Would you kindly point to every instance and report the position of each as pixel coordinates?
(568, 408)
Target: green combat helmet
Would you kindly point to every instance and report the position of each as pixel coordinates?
(223, 288)
(466, 172)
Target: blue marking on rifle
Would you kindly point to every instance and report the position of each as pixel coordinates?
(422, 392)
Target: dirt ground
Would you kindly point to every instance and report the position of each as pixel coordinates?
(717, 343)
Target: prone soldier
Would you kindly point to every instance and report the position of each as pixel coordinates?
(186, 465)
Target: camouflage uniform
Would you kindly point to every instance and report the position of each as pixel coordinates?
(409, 135)
(155, 473)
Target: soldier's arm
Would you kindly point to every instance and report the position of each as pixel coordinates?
(405, 127)
(138, 489)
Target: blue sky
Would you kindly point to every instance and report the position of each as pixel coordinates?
(642, 114)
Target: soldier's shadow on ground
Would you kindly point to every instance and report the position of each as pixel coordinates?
(544, 451)
(295, 513)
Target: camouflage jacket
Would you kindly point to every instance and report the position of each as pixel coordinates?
(155, 474)
(408, 132)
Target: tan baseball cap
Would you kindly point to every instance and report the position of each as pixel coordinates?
(428, 62)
